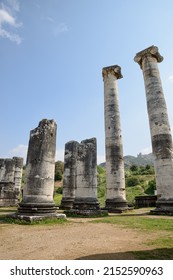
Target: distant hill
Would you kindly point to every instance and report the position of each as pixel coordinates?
(140, 160)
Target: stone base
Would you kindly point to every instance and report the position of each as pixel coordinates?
(163, 207)
(116, 205)
(30, 218)
(86, 204)
(36, 209)
(86, 213)
(66, 203)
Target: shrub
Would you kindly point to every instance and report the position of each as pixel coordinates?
(58, 176)
(59, 190)
(132, 181)
(151, 187)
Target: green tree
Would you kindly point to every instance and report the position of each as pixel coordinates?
(59, 170)
(151, 187)
(134, 168)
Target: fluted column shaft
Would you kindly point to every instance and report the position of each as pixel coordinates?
(115, 179)
(40, 170)
(161, 137)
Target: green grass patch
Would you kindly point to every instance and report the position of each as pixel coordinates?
(141, 223)
(57, 199)
(161, 242)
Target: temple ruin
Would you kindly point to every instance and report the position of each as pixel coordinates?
(161, 137)
(115, 177)
(10, 181)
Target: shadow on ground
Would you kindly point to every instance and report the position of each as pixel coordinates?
(155, 254)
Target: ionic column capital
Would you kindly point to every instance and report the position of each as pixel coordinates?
(114, 70)
(148, 52)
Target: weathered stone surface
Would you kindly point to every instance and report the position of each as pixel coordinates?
(10, 181)
(86, 202)
(39, 175)
(145, 201)
(159, 128)
(36, 217)
(69, 181)
(115, 178)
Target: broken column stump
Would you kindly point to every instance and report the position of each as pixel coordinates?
(37, 202)
(69, 181)
(10, 181)
(86, 202)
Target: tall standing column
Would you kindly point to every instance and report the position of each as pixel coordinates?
(115, 178)
(159, 128)
(39, 174)
(69, 181)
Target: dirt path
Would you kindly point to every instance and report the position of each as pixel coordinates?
(78, 239)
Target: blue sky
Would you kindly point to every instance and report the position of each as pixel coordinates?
(52, 55)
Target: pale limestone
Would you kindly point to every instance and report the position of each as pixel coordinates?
(115, 178)
(159, 128)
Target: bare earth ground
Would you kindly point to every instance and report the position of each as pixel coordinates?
(78, 239)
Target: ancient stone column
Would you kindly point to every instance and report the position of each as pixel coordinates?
(39, 174)
(18, 173)
(69, 181)
(10, 181)
(115, 178)
(86, 202)
(159, 128)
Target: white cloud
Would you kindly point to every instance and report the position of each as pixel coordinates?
(8, 22)
(60, 28)
(5, 17)
(19, 151)
(170, 78)
(146, 151)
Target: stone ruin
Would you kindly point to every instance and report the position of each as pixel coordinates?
(115, 177)
(37, 202)
(10, 181)
(69, 181)
(80, 175)
(80, 178)
(160, 130)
